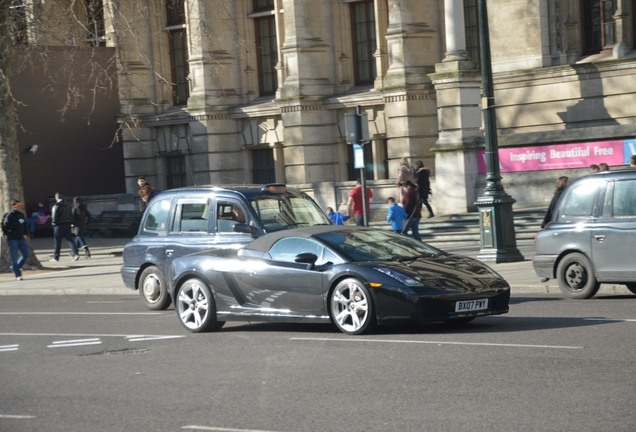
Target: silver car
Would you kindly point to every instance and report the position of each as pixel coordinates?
(592, 236)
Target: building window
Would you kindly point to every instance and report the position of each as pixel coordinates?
(95, 16)
(264, 170)
(471, 26)
(176, 171)
(263, 5)
(267, 54)
(598, 25)
(178, 37)
(364, 41)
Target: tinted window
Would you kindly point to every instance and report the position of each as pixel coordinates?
(580, 200)
(287, 249)
(157, 216)
(283, 212)
(192, 217)
(624, 198)
(229, 214)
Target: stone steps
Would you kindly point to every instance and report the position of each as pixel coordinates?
(463, 229)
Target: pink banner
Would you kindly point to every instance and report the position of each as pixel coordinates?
(562, 156)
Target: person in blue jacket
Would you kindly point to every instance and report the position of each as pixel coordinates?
(396, 215)
(336, 218)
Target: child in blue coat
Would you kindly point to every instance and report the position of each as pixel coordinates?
(336, 218)
(396, 215)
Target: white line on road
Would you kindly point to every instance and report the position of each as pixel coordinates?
(76, 342)
(219, 429)
(438, 343)
(86, 335)
(9, 416)
(147, 338)
(610, 319)
(80, 313)
(4, 348)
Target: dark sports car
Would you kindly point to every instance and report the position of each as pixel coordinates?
(354, 277)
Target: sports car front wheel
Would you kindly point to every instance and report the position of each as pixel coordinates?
(352, 308)
(196, 308)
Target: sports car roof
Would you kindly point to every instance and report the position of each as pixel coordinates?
(264, 243)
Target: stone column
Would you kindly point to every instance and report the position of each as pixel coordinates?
(308, 68)
(409, 97)
(457, 82)
(624, 29)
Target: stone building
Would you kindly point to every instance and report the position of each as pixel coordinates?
(255, 91)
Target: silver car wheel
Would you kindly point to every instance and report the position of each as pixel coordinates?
(151, 288)
(193, 305)
(351, 307)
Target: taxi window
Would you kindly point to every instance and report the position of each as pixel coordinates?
(624, 198)
(192, 217)
(580, 200)
(157, 216)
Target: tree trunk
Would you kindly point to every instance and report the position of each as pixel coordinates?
(10, 171)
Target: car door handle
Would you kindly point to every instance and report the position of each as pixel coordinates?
(169, 252)
(599, 237)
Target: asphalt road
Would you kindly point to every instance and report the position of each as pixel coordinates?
(104, 363)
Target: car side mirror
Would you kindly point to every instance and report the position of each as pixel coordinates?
(245, 228)
(306, 258)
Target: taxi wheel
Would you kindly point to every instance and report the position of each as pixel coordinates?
(196, 308)
(352, 308)
(152, 289)
(575, 275)
(631, 287)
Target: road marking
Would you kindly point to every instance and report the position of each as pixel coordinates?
(82, 335)
(76, 342)
(610, 319)
(4, 348)
(219, 429)
(147, 338)
(9, 416)
(80, 313)
(438, 343)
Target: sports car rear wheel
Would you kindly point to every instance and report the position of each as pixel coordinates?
(196, 308)
(352, 307)
(575, 275)
(152, 289)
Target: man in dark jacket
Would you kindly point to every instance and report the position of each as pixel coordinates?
(424, 185)
(14, 226)
(61, 220)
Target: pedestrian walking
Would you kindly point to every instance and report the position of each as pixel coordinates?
(15, 228)
(61, 218)
(80, 220)
(396, 215)
(335, 217)
(424, 186)
(354, 203)
(412, 206)
(405, 173)
(561, 184)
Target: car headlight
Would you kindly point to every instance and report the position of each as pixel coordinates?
(406, 280)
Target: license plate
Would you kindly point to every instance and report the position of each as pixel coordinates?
(471, 305)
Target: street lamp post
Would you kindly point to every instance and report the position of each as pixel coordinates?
(496, 222)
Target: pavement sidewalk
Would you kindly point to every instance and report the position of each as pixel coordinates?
(100, 274)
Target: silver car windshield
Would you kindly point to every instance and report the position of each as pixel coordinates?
(282, 212)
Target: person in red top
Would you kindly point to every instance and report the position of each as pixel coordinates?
(354, 204)
(412, 207)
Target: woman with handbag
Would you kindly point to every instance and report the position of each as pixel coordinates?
(412, 206)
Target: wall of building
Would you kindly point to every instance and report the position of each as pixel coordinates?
(77, 152)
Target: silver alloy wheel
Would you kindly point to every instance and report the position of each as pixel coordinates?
(151, 288)
(350, 307)
(193, 305)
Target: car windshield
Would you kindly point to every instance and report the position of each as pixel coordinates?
(279, 212)
(375, 245)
